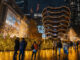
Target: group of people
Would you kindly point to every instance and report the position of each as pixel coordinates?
(65, 45)
(21, 46)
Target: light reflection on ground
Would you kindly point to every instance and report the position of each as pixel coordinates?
(44, 55)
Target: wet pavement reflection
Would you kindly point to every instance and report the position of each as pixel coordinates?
(44, 55)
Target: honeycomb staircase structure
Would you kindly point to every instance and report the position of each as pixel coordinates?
(56, 21)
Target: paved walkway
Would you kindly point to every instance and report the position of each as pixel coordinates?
(44, 55)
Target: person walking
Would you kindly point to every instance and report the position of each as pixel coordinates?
(77, 43)
(39, 44)
(34, 48)
(23, 44)
(16, 48)
(71, 44)
(74, 44)
(54, 47)
(59, 46)
(39, 48)
(65, 47)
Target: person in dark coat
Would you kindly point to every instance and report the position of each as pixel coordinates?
(23, 44)
(71, 43)
(16, 48)
(77, 43)
(39, 44)
(59, 46)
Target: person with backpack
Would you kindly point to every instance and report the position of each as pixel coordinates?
(34, 48)
(65, 47)
(23, 44)
(16, 48)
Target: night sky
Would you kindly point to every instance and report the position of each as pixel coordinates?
(44, 3)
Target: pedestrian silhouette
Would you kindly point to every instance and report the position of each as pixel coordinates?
(77, 43)
(59, 46)
(16, 48)
(34, 48)
(23, 44)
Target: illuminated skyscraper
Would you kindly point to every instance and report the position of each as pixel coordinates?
(23, 5)
(75, 15)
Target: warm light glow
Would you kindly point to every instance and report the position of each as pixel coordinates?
(72, 35)
(23, 29)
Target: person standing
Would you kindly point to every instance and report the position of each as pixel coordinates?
(34, 48)
(16, 48)
(23, 44)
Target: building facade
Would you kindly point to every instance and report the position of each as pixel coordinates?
(12, 19)
(75, 15)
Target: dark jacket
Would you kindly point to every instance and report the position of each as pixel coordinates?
(59, 45)
(23, 44)
(17, 43)
(71, 43)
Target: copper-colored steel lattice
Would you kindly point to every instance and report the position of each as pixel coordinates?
(55, 21)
